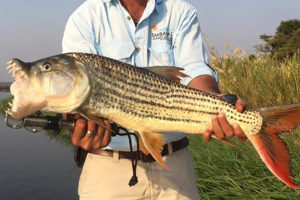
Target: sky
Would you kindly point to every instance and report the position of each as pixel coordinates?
(33, 29)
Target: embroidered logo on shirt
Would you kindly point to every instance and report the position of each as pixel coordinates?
(162, 35)
(154, 27)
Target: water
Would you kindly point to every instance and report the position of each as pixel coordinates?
(33, 166)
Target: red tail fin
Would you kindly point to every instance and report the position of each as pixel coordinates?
(272, 150)
(281, 118)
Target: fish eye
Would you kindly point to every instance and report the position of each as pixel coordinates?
(46, 66)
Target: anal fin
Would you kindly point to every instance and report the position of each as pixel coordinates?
(154, 144)
(141, 145)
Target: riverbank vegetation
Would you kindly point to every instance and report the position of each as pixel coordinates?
(225, 172)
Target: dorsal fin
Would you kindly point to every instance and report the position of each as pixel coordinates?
(169, 72)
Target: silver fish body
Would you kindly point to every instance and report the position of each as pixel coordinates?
(141, 100)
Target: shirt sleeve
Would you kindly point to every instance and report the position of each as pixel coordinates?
(78, 35)
(189, 51)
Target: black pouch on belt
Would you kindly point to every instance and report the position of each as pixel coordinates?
(79, 156)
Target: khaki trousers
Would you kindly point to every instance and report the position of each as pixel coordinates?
(105, 178)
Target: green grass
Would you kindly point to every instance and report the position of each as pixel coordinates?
(260, 81)
(225, 172)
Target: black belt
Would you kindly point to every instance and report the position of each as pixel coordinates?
(176, 146)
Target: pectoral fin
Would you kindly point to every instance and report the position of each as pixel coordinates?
(154, 144)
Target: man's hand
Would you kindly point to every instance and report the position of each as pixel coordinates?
(88, 135)
(221, 128)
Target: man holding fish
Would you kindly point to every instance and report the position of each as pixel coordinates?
(142, 33)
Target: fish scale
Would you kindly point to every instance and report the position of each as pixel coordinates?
(151, 99)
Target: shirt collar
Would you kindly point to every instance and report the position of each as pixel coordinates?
(157, 1)
(156, 7)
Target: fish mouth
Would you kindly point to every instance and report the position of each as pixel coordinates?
(23, 90)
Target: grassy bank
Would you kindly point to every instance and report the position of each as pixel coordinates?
(224, 172)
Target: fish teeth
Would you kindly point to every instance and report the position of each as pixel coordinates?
(8, 112)
(8, 67)
(9, 62)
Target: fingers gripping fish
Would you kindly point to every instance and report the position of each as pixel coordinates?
(146, 100)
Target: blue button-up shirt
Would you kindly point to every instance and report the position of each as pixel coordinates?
(168, 34)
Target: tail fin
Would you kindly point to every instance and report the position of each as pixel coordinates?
(281, 118)
(272, 150)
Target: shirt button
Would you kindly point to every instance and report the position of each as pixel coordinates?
(128, 18)
(138, 49)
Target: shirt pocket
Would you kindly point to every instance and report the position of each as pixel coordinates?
(161, 54)
(121, 51)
